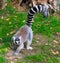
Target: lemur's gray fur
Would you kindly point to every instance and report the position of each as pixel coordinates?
(24, 34)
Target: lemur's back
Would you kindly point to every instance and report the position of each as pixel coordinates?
(23, 32)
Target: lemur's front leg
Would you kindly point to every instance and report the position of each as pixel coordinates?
(21, 46)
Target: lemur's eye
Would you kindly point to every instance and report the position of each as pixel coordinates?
(17, 41)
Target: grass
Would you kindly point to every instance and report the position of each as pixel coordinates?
(47, 26)
(3, 60)
(11, 20)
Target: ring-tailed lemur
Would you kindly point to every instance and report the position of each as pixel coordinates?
(24, 34)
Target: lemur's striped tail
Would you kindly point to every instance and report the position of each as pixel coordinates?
(37, 8)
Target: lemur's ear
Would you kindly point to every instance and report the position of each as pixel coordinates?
(20, 37)
(51, 9)
(13, 38)
(50, 6)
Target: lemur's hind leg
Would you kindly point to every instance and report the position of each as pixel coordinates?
(29, 40)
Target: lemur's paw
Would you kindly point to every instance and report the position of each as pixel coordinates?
(29, 48)
(15, 54)
(23, 48)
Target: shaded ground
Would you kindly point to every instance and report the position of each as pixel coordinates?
(18, 7)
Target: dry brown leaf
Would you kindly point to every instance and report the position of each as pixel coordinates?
(14, 7)
(6, 4)
(10, 23)
(38, 38)
(2, 17)
(8, 19)
(37, 41)
(50, 27)
(23, 21)
(54, 45)
(7, 34)
(55, 42)
(32, 20)
(15, 16)
(12, 62)
(38, 24)
(0, 38)
(46, 44)
(10, 58)
(12, 32)
(47, 24)
(58, 33)
(54, 52)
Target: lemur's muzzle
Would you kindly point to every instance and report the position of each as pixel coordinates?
(51, 9)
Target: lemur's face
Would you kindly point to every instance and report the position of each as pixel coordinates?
(51, 9)
(16, 40)
(47, 9)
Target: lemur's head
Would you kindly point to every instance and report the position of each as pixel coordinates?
(51, 9)
(16, 40)
(47, 9)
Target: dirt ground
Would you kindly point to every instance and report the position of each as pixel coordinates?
(37, 41)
